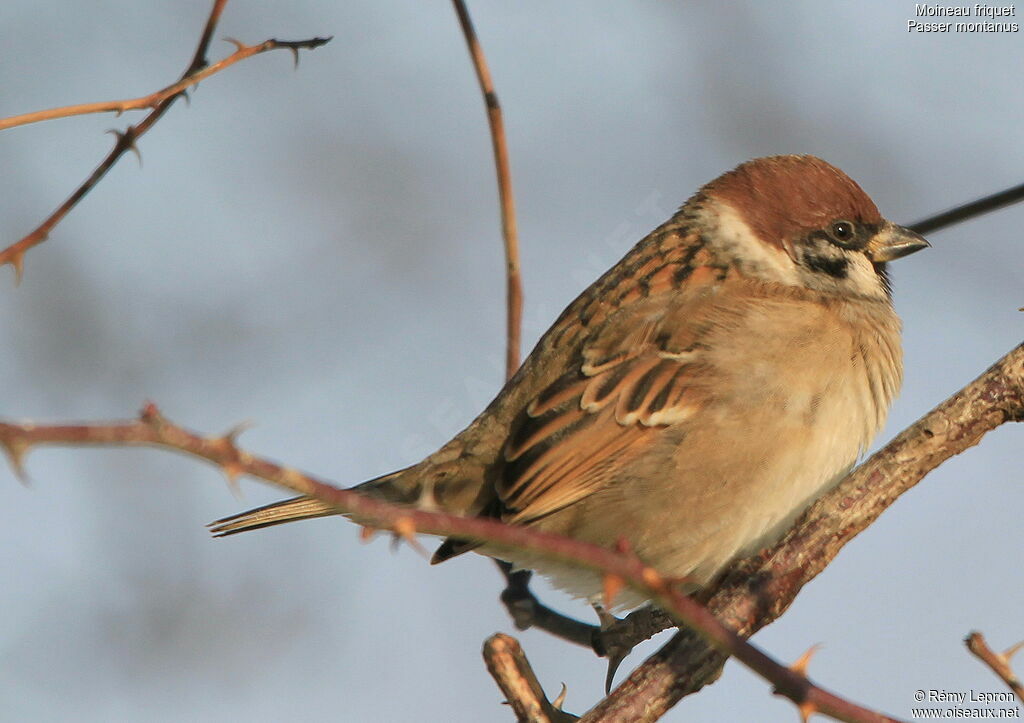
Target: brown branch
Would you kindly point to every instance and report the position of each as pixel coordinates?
(514, 300)
(758, 590)
(154, 99)
(15, 253)
(619, 566)
(999, 663)
(512, 672)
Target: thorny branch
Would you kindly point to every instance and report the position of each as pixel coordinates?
(126, 140)
(619, 566)
(154, 99)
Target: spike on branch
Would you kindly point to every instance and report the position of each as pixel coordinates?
(612, 585)
(16, 450)
(559, 701)
(150, 414)
(806, 710)
(405, 529)
(800, 665)
(1012, 650)
(232, 466)
(126, 139)
(17, 261)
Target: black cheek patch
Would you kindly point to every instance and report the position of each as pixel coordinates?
(834, 267)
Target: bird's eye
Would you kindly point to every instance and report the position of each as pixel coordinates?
(842, 230)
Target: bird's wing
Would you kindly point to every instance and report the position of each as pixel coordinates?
(643, 371)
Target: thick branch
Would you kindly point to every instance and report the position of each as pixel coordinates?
(760, 589)
(512, 672)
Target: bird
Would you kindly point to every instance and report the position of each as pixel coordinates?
(726, 372)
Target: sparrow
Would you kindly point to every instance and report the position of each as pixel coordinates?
(694, 399)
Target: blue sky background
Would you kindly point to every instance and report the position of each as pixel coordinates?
(318, 252)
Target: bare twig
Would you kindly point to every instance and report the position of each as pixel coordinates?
(514, 299)
(154, 99)
(999, 663)
(758, 590)
(15, 254)
(512, 672)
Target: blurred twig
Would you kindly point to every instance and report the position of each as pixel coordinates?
(514, 300)
(154, 99)
(524, 608)
(15, 253)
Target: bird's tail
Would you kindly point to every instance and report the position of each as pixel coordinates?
(398, 487)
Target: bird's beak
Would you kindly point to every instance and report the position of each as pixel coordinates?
(894, 242)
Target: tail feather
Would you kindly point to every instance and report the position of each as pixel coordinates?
(296, 508)
(399, 487)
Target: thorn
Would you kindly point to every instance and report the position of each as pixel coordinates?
(150, 414)
(807, 709)
(623, 547)
(616, 654)
(295, 55)
(16, 451)
(558, 702)
(232, 471)
(232, 467)
(231, 436)
(188, 98)
(17, 262)
(614, 661)
(652, 578)
(366, 533)
(611, 586)
(800, 666)
(606, 618)
(127, 139)
(1013, 649)
(237, 43)
(405, 529)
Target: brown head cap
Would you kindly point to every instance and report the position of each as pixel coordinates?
(782, 196)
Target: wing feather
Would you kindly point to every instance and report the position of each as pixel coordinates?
(629, 385)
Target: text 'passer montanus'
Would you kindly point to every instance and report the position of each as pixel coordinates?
(695, 398)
